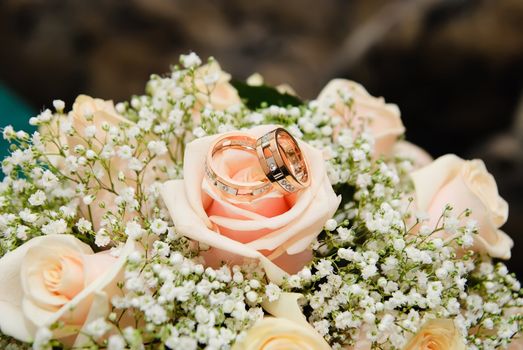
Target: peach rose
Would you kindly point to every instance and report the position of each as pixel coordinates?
(416, 154)
(382, 119)
(100, 113)
(275, 229)
(100, 110)
(57, 278)
(465, 185)
(440, 334)
(213, 87)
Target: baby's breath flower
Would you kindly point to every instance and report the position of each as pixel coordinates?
(331, 225)
(116, 342)
(97, 328)
(134, 230)
(38, 198)
(191, 60)
(55, 227)
(158, 226)
(379, 271)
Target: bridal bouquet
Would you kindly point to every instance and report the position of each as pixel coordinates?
(210, 213)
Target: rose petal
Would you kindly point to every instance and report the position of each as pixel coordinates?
(13, 322)
(499, 248)
(292, 264)
(433, 177)
(255, 210)
(318, 178)
(96, 265)
(287, 306)
(99, 308)
(190, 225)
(72, 281)
(311, 221)
(408, 150)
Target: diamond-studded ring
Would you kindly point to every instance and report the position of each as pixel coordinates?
(282, 161)
(240, 191)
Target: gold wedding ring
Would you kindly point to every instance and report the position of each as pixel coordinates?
(241, 191)
(282, 161)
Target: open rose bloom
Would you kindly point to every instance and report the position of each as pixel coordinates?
(353, 107)
(275, 229)
(437, 335)
(465, 185)
(115, 234)
(57, 279)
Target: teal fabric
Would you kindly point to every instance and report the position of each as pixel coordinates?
(13, 111)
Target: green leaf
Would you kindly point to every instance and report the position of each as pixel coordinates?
(258, 96)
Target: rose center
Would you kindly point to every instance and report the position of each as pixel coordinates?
(52, 278)
(64, 276)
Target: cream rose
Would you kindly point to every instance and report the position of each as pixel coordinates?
(275, 229)
(288, 329)
(465, 185)
(57, 278)
(382, 119)
(279, 333)
(213, 87)
(440, 334)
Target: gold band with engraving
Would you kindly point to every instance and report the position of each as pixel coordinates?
(240, 191)
(282, 161)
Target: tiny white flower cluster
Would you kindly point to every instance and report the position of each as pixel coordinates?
(379, 272)
(374, 279)
(211, 307)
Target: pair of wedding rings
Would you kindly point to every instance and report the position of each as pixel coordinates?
(279, 156)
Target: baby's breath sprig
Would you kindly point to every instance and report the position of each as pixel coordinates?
(379, 270)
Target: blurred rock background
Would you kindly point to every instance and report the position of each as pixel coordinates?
(455, 67)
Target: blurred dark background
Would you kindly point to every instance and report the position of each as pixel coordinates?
(455, 67)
